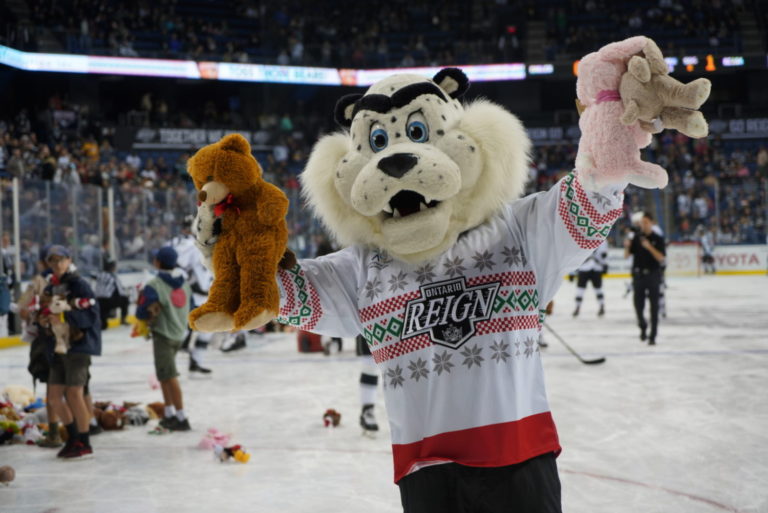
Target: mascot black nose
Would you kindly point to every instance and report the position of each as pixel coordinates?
(398, 164)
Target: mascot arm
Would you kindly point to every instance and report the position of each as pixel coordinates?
(320, 295)
(562, 227)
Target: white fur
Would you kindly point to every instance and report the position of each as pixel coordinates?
(474, 162)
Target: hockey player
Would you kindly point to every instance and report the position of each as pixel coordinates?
(591, 271)
(200, 279)
(707, 240)
(369, 380)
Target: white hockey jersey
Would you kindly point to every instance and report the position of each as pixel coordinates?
(597, 261)
(456, 337)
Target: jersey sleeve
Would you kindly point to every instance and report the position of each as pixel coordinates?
(562, 227)
(320, 295)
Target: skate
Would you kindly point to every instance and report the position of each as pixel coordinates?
(197, 368)
(601, 312)
(368, 421)
(576, 312)
(239, 343)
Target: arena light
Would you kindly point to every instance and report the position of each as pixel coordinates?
(541, 69)
(68, 63)
(733, 61)
(710, 66)
(672, 63)
(476, 73)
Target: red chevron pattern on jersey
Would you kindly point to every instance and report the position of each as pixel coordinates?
(506, 279)
(387, 306)
(307, 314)
(503, 324)
(585, 229)
(400, 348)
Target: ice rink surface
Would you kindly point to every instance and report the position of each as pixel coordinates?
(680, 427)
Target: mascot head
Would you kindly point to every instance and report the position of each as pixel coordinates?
(415, 167)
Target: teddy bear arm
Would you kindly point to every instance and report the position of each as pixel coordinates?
(258, 258)
(273, 205)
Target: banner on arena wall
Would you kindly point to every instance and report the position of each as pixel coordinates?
(749, 128)
(735, 259)
(183, 138)
(745, 259)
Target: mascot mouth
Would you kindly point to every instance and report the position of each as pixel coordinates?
(406, 203)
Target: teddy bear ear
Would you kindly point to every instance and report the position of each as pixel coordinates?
(235, 142)
(344, 109)
(453, 81)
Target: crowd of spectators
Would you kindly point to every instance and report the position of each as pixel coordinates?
(64, 172)
(575, 27)
(397, 33)
(712, 185)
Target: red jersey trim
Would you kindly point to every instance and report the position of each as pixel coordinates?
(496, 445)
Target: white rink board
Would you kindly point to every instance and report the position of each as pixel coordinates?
(680, 427)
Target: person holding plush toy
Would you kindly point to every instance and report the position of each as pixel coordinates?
(163, 305)
(445, 270)
(69, 372)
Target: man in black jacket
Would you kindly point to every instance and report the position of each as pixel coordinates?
(69, 372)
(648, 250)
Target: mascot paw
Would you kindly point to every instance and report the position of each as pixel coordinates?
(210, 321)
(246, 320)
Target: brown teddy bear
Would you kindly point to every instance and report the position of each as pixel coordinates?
(253, 238)
(656, 100)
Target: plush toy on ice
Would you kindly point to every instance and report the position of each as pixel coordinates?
(447, 270)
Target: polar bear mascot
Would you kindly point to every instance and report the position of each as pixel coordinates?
(444, 273)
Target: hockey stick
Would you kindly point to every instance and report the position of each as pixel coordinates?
(572, 351)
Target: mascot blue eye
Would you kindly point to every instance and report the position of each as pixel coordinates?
(379, 139)
(417, 128)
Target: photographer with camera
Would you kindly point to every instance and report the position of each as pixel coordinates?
(649, 251)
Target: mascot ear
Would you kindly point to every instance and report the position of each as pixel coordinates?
(344, 108)
(453, 81)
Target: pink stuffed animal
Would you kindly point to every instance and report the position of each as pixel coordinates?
(609, 152)
(213, 438)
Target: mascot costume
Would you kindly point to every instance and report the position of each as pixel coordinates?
(446, 270)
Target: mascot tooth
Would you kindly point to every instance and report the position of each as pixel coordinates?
(446, 273)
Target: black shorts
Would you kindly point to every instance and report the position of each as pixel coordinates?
(361, 346)
(596, 277)
(532, 486)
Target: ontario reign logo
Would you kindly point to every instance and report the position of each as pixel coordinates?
(448, 311)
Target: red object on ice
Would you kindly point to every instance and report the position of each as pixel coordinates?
(309, 342)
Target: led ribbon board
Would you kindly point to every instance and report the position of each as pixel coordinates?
(168, 68)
